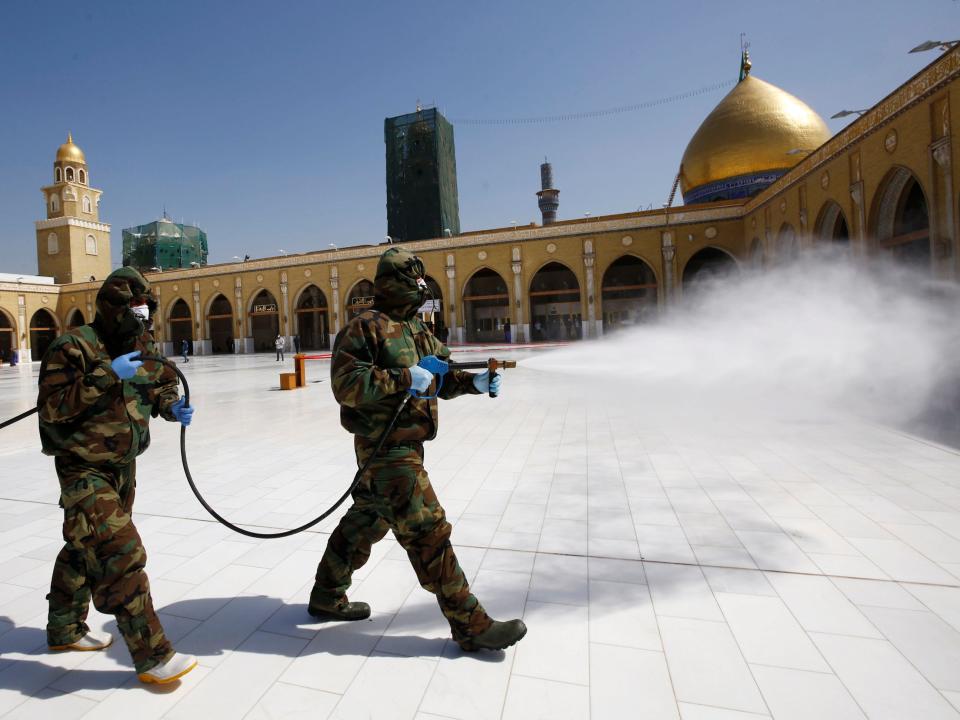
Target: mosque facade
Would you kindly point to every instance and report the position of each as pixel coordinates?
(762, 180)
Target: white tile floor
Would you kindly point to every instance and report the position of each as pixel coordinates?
(789, 570)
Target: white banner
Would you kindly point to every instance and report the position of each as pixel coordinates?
(430, 306)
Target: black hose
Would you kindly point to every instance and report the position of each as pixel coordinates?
(19, 417)
(285, 533)
(206, 506)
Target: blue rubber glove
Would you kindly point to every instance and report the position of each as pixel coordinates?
(483, 383)
(434, 365)
(182, 412)
(125, 366)
(421, 379)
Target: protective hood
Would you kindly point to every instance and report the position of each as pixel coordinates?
(116, 323)
(399, 288)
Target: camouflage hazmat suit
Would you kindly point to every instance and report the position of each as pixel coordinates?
(95, 425)
(369, 372)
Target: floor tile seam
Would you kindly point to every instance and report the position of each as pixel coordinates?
(661, 651)
(549, 679)
(271, 685)
(900, 653)
(724, 707)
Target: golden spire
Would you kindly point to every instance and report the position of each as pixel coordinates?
(69, 137)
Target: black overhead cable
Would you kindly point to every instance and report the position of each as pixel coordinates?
(595, 113)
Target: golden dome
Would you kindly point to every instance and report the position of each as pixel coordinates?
(755, 134)
(68, 152)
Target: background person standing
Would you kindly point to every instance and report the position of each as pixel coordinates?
(279, 343)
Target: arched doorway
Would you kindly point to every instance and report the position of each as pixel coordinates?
(75, 319)
(705, 265)
(555, 309)
(181, 326)
(43, 331)
(788, 249)
(431, 312)
(264, 321)
(312, 325)
(220, 326)
(629, 293)
(832, 225)
(486, 306)
(359, 299)
(8, 337)
(901, 219)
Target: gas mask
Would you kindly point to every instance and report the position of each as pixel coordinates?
(123, 309)
(400, 282)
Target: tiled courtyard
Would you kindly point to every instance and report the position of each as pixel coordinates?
(700, 567)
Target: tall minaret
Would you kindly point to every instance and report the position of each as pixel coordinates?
(72, 244)
(548, 197)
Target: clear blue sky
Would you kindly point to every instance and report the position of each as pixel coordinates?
(264, 121)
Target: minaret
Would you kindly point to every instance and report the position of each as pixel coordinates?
(72, 244)
(548, 198)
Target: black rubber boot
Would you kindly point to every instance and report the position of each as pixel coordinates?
(498, 636)
(341, 609)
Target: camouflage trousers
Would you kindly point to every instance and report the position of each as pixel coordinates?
(396, 495)
(104, 558)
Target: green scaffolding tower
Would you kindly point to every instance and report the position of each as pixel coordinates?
(164, 244)
(422, 198)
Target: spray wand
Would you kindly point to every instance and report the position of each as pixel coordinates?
(440, 368)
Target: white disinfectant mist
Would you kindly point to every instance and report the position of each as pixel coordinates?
(826, 332)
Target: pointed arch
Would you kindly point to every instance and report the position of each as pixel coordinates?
(359, 298)
(220, 321)
(264, 315)
(555, 303)
(788, 247)
(44, 329)
(628, 293)
(8, 336)
(180, 324)
(831, 224)
(311, 318)
(706, 264)
(486, 303)
(900, 219)
(75, 319)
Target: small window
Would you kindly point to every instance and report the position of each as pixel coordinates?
(91, 245)
(83, 177)
(53, 244)
(58, 175)
(54, 203)
(69, 174)
(87, 205)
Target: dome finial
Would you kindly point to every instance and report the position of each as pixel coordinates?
(69, 137)
(745, 63)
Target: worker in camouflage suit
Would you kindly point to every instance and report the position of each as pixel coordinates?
(96, 400)
(375, 360)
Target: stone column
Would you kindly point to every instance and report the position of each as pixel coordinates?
(285, 309)
(948, 235)
(521, 331)
(856, 194)
(669, 251)
(335, 296)
(456, 331)
(201, 344)
(24, 339)
(244, 343)
(593, 328)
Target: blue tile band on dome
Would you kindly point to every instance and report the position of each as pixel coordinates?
(741, 186)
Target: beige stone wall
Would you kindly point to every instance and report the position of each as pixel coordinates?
(851, 170)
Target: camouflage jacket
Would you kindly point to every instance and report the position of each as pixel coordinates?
(369, 372)
(87, 412)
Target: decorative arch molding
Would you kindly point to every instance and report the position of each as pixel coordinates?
(831, 224)
(886, 201)
(641, 258)
(295, 302)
